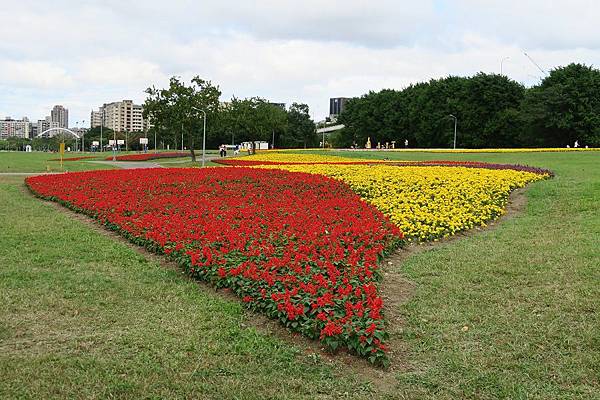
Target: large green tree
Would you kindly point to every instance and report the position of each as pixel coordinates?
(565, 107)
(420, 113)
(251, 119)
(174, 111)
(301, 128)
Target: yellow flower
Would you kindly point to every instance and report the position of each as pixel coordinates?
(425, 202)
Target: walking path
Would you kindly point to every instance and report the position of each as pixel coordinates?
(129, 164)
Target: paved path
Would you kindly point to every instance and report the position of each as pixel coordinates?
(129, 164)
(198, 160)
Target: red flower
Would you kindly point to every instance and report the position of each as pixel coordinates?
(371, 329)
(287, 241)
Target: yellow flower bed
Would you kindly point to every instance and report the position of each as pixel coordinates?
(534, 150)
(518, 150)
(428, 202)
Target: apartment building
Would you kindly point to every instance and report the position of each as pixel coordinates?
(60, 115)
(15, 128)
(96, 118)
(121, 116)
(336, 106)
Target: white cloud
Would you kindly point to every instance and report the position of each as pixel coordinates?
(120, 70)
(86, 53)
(36, 74)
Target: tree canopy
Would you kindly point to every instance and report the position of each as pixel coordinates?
(175, 112)
(492, 111)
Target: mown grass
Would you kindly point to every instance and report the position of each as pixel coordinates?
(528, 292)
(85, 316)
(42, 162)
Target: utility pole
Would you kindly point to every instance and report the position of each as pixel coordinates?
(203, 136)
(114, 145)
(455, 123)
(502, 62)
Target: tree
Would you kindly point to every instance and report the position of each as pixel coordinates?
(420, 113)
(252, 119)
(175, 111)
(565, 107)
(301, 130)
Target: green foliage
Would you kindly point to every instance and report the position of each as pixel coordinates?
(174, 112)
(300, 128)
(420, 113)
(493, 111)
(565, 107)
(249, 119)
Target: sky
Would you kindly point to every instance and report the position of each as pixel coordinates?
(84, 53)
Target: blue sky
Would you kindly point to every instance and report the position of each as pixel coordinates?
(84, 53)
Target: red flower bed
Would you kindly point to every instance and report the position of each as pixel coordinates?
(148, 156)
(299, 247)
(72, 158)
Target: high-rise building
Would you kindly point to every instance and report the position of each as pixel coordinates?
(43, 125)
(96, 118)
(123, 116)
(15, 128)
(336, 106)
(61, 115)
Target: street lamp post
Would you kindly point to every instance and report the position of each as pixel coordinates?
(455, 122)
(203, 136)
(101, 146)
(82, 136)
(76, 141)
(114, 145)
(501, 64)
(146, 137)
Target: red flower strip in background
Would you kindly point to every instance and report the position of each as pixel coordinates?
(301, 248)
(73, 158)
(148, 156)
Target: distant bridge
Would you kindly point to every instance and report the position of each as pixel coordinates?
(330, 129)
(47, 131)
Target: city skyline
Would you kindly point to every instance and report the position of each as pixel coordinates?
(307, 52)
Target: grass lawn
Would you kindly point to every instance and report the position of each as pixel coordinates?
(510, 312)
(40, 162)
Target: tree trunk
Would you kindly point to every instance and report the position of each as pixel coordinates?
(192, 149)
